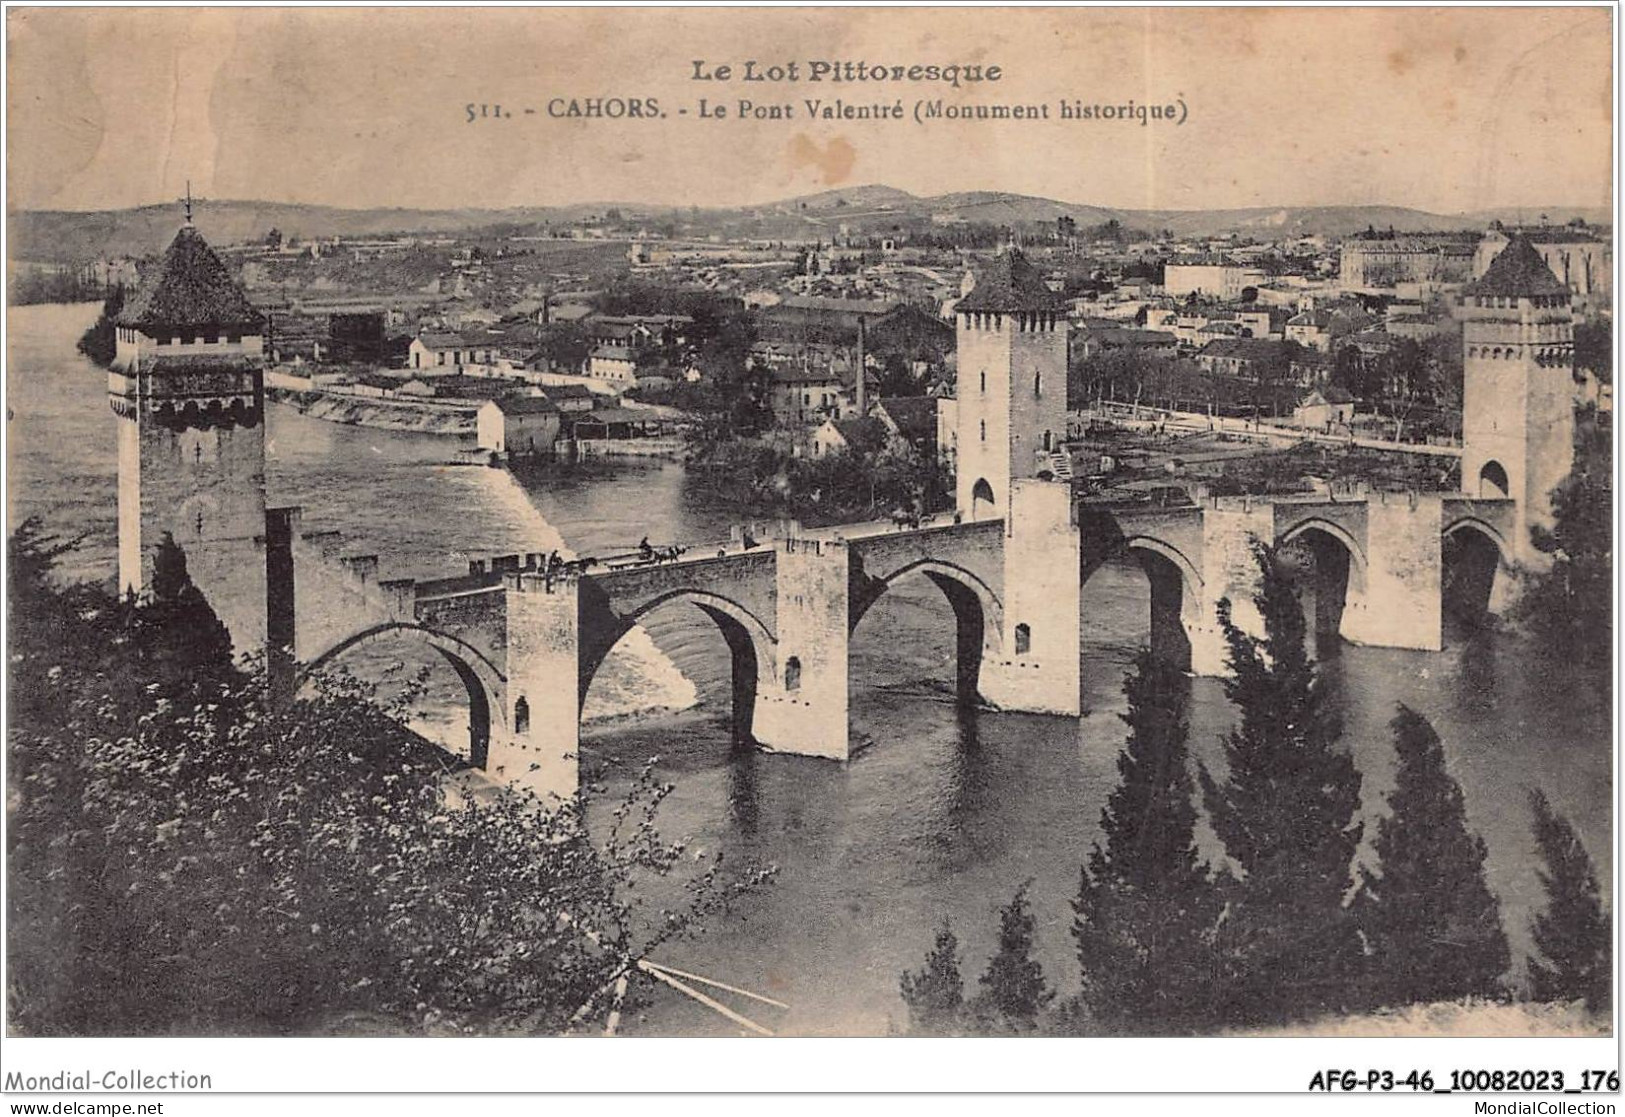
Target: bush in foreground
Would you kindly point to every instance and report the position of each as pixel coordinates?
(186, 859)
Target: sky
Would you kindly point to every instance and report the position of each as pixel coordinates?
(1449, 110)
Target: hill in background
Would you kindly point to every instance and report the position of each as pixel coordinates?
(74, 237)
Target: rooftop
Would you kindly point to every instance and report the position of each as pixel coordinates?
(915, 416)
(524, 405)
(1010, 285)
(191, 289)
(834, 306)
(1245, 348)
(446, 340)
(865, 434)
(1518, 270)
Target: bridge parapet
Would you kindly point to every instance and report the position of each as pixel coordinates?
(318, 596)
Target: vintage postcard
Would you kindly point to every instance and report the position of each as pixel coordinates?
(810, 522)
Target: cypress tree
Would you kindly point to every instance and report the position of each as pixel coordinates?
(1572, 935)
(1146, 907)
(176, 599)
(1431, 924)
(1286, 816)
(1569, 606)
(186, 647)
(935, 995)
(1014, 992)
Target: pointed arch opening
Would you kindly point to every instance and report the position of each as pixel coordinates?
(394, 655)
(1492, 481)
(668, 643)
(981, 499)
(1330, 567)
(1475, 568)
(954, 641)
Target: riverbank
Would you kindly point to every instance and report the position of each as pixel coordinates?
(758, 479)
(419, 416)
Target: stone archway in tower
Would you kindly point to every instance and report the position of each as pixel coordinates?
(1492, 481)
(981, 499)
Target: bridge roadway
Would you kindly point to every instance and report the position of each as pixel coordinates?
(526, 642)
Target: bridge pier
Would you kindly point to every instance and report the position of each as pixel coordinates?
(537, 747)
(1400, 607)
(1229, 570)
(803, 708)
(1036, 668)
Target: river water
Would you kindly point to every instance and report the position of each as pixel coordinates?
(940, 814)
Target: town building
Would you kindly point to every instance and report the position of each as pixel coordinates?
(858, 435)
(803, 395)
(1327, 409)
(1095, 339)
(572, 397)
(1322, 327)
(616, 424)
(1219, 279)
(445, 354)
(613, 365)
(518, 425)
(1376, 261)
(1261, 360)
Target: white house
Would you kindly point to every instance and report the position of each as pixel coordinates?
(1325, 409)
(518, 425)
(613, 364)
(445, 354)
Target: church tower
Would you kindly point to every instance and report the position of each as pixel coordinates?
(1012, 384)
(187, 384)
(1518, 389)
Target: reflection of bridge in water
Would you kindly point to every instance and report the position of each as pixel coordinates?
(526, 643)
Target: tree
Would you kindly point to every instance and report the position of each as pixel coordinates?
(1349, 372)
(1147, 907)
(935, 995)
(183, 643)
(1572, 935)
(897, 378)
(1014, 993)
(1407, 379)
(210, 863)
(1594, 349)
(100, 342)
(1286, 816)
(566, 345)
(1569, 606)
(1431, 924)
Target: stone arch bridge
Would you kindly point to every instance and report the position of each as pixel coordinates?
(526, 644)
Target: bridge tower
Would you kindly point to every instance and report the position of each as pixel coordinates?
(1012, 384)
(1518, 392)
(187, 384)
(1011, 335)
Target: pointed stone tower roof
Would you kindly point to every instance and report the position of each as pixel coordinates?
(192, 289)
(1518, 271)
(1011, 285)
